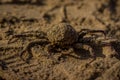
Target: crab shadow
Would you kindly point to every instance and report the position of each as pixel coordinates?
(83, 54)
(117, 49)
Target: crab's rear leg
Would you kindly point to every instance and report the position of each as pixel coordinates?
(28, 47)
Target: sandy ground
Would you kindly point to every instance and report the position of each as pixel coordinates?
(39, 15)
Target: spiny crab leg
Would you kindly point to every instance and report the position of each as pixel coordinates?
(107, 41)
(83, 32)
(28, 48)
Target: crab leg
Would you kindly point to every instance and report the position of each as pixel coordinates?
(83, 32)
(28, 49)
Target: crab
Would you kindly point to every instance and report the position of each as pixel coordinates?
(63, 35)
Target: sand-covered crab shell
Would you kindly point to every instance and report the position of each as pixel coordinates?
(62, 33)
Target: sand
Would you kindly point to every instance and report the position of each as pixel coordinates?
(38, 16)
